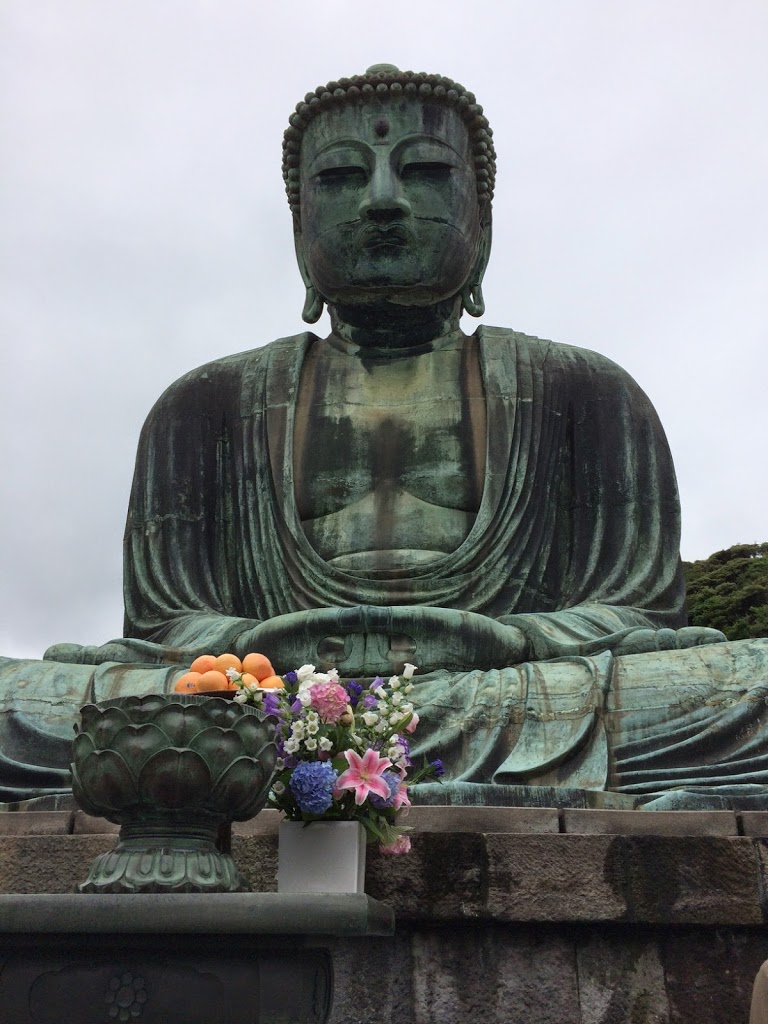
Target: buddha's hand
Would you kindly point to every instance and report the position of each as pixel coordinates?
(646, 641)
(366, 640)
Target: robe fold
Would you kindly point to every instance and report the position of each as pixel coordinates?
(576, 543)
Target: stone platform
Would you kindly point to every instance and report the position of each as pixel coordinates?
(530, 915)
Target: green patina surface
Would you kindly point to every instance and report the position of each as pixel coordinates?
(498, 509)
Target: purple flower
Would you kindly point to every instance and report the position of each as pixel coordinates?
(354, 690)
(297, 706)
(393, 782)
(291, 678)
(271, 704)
(312, 784)
(377, 682)
(369, 702)
(437, 767)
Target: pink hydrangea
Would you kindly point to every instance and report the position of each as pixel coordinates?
(401, 845)
(329, 700)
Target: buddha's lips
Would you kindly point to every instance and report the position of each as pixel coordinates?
(374, 236)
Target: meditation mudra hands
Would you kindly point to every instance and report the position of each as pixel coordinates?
(365, 640)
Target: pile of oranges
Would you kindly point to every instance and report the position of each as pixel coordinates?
(209, 672)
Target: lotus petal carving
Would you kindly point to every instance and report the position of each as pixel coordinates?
(175, 778)
(107, 779)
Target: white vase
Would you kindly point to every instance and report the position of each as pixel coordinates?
(321, 856)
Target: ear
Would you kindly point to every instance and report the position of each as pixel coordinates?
(313, 302)
(472, 293)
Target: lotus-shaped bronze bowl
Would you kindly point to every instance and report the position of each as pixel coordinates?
(170, 770)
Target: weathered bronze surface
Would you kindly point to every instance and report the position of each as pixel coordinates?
(170, 770)
(500, 510)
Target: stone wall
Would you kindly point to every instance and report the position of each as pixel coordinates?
(507, 915)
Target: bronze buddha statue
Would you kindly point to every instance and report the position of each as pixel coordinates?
(498, 509)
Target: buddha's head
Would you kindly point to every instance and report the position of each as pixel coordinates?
(390, 178)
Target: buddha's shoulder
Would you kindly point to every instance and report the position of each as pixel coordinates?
(216, 380)
(553, 358)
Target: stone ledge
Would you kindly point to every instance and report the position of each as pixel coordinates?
(196, 913)
(577, 821)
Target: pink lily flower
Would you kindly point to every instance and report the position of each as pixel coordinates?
(401, 798)
(364, 775)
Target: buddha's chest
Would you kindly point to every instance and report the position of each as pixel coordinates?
(389, 456)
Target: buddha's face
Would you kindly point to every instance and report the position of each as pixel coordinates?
(389, 207)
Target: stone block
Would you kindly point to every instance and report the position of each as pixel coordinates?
(425, 818)
(551, 878)
(754, 823)
(48, 864)
(36, 823)
(709, 973)
(493, 974)
(444, 878)
(621, 981)
(685, 880)
(650, 823)
(256, 857)
(86, 825)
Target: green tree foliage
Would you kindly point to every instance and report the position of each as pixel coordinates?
(729, 591)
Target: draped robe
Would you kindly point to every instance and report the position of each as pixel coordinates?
(575, 543)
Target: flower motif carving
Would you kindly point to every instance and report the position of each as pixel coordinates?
(125, 996)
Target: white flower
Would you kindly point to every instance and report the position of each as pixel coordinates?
(395, 717)
(297, 730)
(333, 675)
(256, 689)
(370, 718)
(279, 764)
(292, 745)
(232, 673)
(312, 716)
(380, 692)
(380, 727)
(311, 743)
(409, 669)
(278, 788)
(408, 688)
(321, 677)
(313, 728)
(305, 672)
(406, 709)
(394, 738)
(358, 740)
(325, 744)
(395, 699)
(303, 696)
(240, 697)
(394, 683)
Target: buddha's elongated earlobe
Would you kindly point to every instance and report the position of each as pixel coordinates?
(472, 293)
(313, 301)
(472, 299)
(313, 306)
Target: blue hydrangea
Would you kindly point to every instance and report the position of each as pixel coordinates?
(312, 785)
(393, 781)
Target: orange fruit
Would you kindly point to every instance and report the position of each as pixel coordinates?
(225, 661)
(186, 683)
(258, 665)
(272, 683)
(212, 680)
(248, 679)
(203, 664)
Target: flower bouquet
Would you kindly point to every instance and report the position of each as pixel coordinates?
(343, 749)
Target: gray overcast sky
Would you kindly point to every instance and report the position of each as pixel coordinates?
(145, 231)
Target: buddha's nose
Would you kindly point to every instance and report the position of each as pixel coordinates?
(384, 200)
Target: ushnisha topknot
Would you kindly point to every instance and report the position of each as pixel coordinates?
(386, 80)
